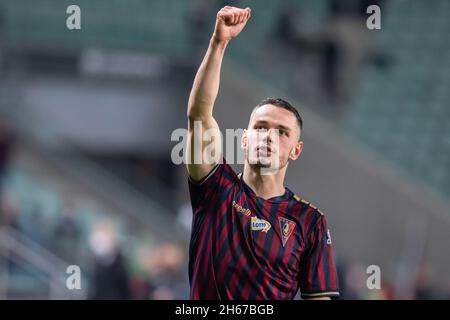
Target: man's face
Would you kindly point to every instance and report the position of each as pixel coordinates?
(272, 138)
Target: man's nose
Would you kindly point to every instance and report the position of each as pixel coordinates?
(268, 135)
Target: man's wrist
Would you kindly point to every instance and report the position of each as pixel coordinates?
(218, 43)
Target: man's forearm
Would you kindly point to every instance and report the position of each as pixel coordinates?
(206, 83)
(229, 23)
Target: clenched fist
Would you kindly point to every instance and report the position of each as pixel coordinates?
(230, 22)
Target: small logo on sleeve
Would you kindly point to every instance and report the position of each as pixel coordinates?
(287, 227)
(328, 237)
(260, 224)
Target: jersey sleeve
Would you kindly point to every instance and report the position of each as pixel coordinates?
(318, 277)
(219, 179)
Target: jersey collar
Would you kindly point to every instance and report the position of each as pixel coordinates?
(287, 193)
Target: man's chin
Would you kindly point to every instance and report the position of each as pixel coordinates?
(262, 163)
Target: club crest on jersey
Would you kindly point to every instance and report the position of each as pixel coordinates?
(260, 224)
(287, 227)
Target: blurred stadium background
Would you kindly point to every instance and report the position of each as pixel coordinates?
(86, 118)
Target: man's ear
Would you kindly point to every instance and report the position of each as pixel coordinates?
(244, 140)
(296, 151)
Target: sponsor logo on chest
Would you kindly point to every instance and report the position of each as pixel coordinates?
(260, 224)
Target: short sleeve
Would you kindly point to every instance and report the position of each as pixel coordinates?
(220, 178)
(318, 277)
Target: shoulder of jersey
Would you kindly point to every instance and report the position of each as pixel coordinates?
(303, 201)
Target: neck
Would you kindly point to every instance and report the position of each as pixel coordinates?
(265, 186)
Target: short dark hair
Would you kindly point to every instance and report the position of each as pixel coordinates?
(280, 103)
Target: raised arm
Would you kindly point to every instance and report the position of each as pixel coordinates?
(229, 23)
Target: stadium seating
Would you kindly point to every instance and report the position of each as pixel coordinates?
(400, 111)
(128, 25)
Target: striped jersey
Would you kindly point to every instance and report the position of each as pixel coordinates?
(245, 247)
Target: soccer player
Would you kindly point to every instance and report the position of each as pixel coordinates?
(252, 237)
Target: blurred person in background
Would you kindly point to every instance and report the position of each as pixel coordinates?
(345, 46)
(199, 11)
(168, 276)
(67, 233)
(110, 275)
(289, 26)
(424, 288)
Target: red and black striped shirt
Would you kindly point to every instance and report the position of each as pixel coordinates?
(245, 247)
